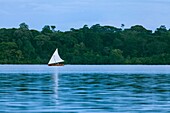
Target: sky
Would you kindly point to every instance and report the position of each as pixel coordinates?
(66, 14)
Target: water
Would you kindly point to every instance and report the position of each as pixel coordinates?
(84, 89)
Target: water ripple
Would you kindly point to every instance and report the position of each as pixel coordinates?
(84, 93)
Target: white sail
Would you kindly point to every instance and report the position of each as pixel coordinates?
(55, 58)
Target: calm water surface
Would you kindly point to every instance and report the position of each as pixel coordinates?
(84, 89)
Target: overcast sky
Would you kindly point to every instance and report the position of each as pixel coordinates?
(66, 14)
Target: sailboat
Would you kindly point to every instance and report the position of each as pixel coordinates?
(55, 59)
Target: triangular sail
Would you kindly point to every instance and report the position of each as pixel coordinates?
(55, 58)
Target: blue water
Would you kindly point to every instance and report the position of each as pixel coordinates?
(84, 89)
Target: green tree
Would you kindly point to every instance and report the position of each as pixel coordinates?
(46, 30)
(24, 26)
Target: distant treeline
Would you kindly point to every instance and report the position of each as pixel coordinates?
(88, 45)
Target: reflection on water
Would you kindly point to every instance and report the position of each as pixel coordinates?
(84, 93)
(27, 92)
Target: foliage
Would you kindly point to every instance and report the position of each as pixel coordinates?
(88, 45)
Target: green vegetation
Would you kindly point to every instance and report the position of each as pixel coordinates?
(94, 45)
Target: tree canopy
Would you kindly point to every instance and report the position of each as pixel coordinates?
(87, 45)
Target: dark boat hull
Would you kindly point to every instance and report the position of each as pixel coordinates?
(59, 64)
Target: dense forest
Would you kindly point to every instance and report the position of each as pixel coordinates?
(87, 45)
